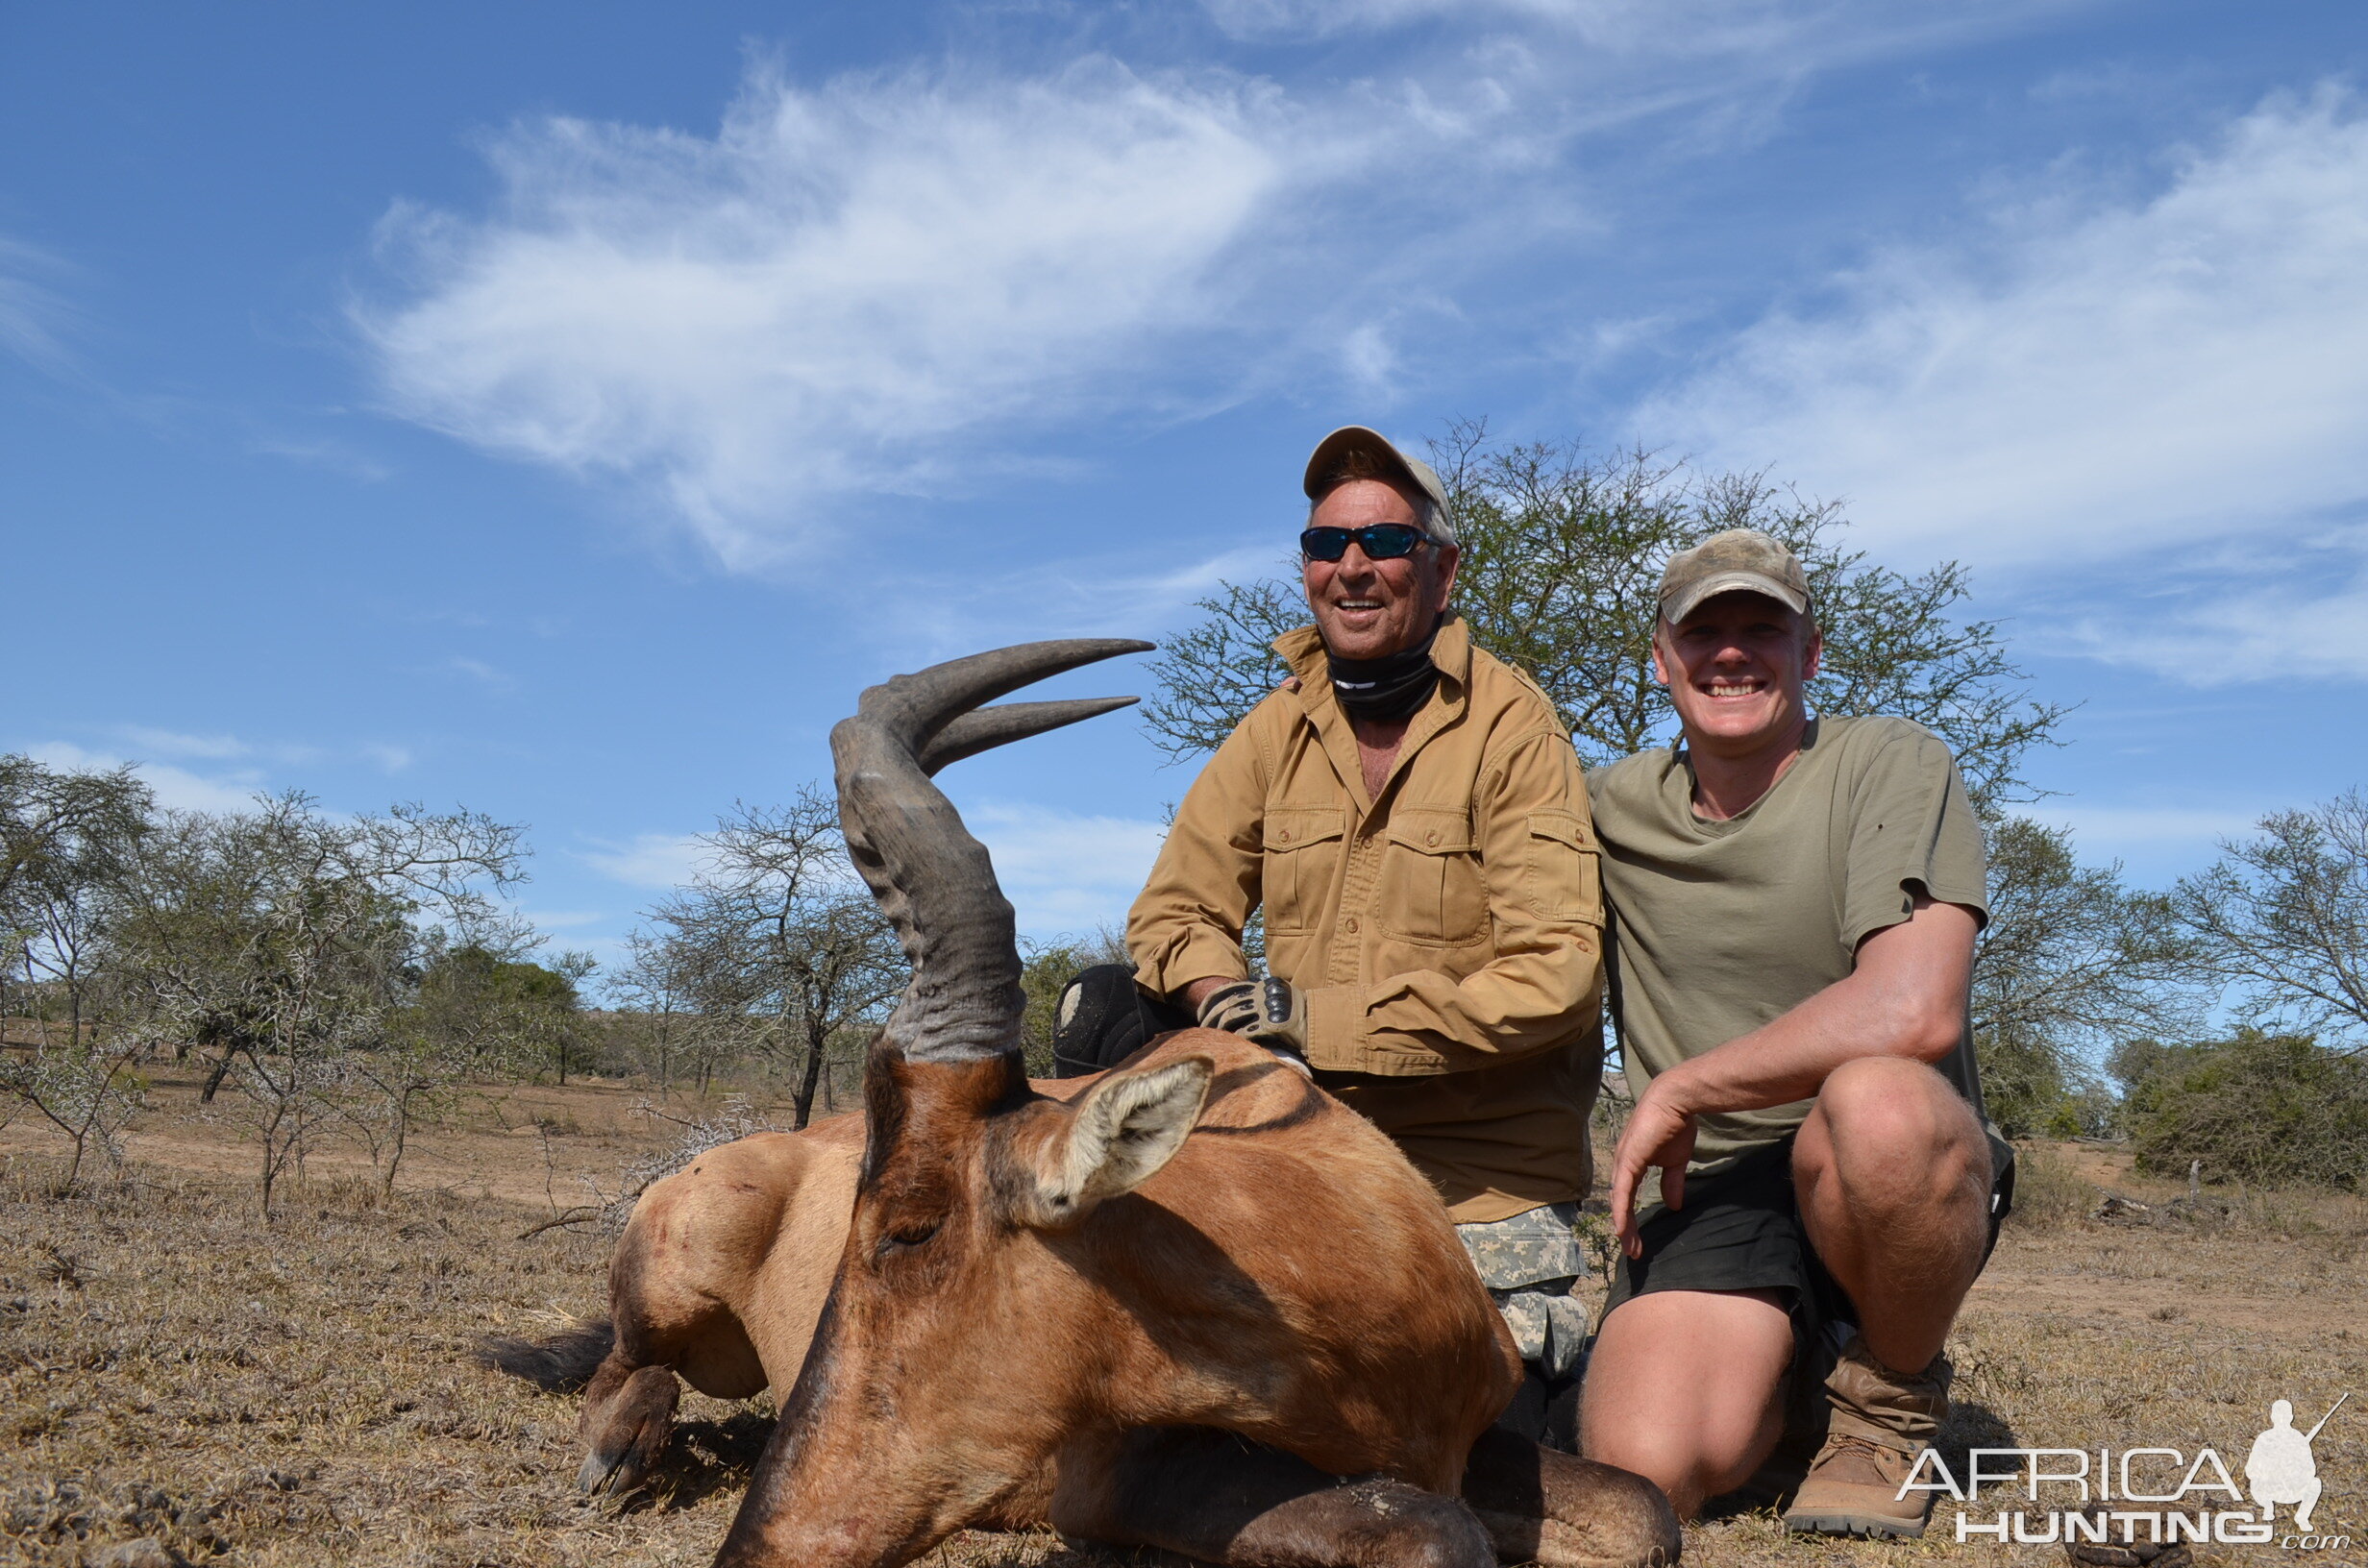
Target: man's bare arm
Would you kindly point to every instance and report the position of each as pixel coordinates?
(1200, 991)
(1905, 997)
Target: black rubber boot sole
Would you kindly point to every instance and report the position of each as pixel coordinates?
(1859, 1525)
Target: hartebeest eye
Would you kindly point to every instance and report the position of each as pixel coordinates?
(910, 1232)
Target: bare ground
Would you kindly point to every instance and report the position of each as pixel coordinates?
(299, 1393)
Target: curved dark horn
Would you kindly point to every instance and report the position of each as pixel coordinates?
(990, 728)
(934, 881)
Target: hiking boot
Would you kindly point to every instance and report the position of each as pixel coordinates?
(1881, 1422)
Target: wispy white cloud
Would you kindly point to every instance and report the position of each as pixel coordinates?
(2153, 406)
(650, 860)
(1080, 594)
(315, 452)
(2254, 610)
(2112, 828)
(35, 317)
(917, 284)
(1066, 873)
(150, 741)
(1769, 31)
(174, 744)
(174, 787)
(844, 292)
(562, 920)
(479, 670)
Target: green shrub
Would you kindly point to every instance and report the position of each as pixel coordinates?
(2269, 1109)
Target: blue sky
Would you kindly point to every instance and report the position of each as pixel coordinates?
(564, 409)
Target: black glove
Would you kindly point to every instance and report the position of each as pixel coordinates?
(1271, 1012)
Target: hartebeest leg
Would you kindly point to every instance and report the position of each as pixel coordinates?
(628, 1413)
(1219, 1499)
(1541, 1507)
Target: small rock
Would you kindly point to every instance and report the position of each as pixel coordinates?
(2119, 1554)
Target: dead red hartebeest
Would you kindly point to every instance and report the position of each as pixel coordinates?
(1192, 1303)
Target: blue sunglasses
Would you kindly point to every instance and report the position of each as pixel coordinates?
(1381, 541)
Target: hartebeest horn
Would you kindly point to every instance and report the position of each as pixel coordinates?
(990, 728)
(934, 881)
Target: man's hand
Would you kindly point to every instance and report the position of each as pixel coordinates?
(1270, 1012)
(1905, 997)
(1660, 1132)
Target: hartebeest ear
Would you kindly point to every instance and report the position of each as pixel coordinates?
(1118, 1134)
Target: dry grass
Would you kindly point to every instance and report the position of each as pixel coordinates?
(299, 1394)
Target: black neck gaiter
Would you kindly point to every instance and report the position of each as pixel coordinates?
(1390, 688)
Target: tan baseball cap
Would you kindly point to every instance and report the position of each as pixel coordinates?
(1741, 560)
(1333, 450)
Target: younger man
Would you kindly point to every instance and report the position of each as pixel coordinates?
(1795, 904)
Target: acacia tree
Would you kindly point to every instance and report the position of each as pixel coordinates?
(693, 990)
(84, 1089)
(63, 839)
(1561, 554)
(65, 836)
(658, 1000)
(779, 931)
(281, 939)
(2283, 917)
(2071, 963)
(478, 1007)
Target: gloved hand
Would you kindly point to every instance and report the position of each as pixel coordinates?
(1232, 1008)
(1271, 1012)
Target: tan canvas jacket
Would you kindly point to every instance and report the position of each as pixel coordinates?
(1449, 935)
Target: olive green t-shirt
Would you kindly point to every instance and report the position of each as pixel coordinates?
(1719, 927)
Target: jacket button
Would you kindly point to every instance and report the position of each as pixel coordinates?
(1350, 926)
(1430, 838)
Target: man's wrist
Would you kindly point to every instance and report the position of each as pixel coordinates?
(1680, 1091)
(1198, 991)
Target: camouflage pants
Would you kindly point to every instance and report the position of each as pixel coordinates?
(1529, 1263)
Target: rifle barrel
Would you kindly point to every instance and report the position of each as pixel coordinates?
(2328, 1416)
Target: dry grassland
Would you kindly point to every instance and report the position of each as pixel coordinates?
(299, 1394)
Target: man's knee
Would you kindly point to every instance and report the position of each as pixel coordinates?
(1686, 1389)
(1694, 1370)
(1101, 1020)
(1887, 1116)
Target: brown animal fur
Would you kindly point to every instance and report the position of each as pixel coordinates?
(1192, 1303)
(724, 1271)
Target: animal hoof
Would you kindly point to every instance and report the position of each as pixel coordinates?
(625, 1435)
(597, 1469)
(1567, 1512)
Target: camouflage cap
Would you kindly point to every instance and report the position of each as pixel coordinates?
(1741, 560)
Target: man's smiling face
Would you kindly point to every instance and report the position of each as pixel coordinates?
(1735, 667)
(1368, 609)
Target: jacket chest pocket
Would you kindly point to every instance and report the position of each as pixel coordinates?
(1432, 888)
(1302, 858)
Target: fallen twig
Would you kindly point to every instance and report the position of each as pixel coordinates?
(581, 1214)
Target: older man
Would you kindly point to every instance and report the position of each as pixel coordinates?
(1410, 816)
(1794, 902)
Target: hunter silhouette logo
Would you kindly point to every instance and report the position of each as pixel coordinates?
(2281, 1468)
(2130, 1506)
